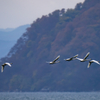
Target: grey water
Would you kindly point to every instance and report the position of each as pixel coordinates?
(49, 95)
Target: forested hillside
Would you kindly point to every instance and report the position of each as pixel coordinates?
(64, 33)
(8, 38)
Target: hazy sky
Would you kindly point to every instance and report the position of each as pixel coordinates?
(14, 13)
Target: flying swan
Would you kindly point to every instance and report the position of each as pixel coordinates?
(84, 59)
(72, 58)
(55, 60)
(92, 61)
(2, 67)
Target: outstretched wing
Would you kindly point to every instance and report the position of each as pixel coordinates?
(75, 56)
(56, 58)
(89, 64)
(8, 64)
(87, 55)
(96, 61)
(2, 68)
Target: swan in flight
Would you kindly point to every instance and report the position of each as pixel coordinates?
(55, 60)
(2, 67)
(92, 61)
(72, 58)
(84, 59)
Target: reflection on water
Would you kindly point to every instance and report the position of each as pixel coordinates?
(49, 95)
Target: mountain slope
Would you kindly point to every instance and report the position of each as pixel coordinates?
(75, 31)
(9, 37)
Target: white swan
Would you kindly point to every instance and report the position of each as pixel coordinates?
(2, 67)
(84, 59)
(54, 61)
(92, 61)
(72, 58)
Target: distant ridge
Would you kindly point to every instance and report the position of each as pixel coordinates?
(7, 29)
(8, 38)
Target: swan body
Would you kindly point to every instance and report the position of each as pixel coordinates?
(72, 58)
(92, 61)
(55, 60)
(84, 59)
(2, 67)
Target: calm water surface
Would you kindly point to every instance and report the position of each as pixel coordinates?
(49, 95)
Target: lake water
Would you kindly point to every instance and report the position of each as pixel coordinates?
(49, 95)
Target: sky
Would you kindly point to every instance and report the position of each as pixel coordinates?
(14, 13)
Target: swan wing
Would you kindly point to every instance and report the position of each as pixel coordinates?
(87, 55)
(69, 59)
(89, 64)
(2, 68)
(56, 58)
(8, 64)
(96, 61)
(75, 56)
